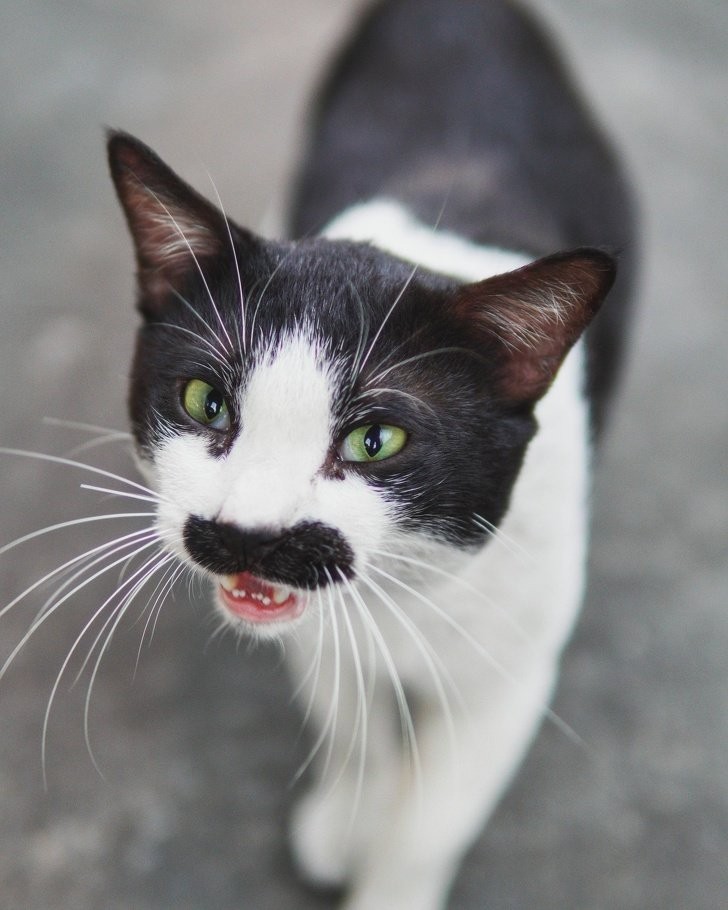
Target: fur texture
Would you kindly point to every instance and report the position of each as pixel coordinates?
(424, 596)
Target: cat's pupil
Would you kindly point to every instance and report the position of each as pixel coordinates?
(373, 440)
(213, 404)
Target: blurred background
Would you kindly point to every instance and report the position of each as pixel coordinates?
(197, 747)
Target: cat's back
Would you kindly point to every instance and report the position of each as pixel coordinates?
(461, 111)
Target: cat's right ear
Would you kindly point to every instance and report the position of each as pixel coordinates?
(175, 230)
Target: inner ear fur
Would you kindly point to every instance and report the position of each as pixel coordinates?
(173, 227)
(533, 315)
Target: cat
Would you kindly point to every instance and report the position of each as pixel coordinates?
(374, 440)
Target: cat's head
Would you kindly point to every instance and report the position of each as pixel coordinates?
(303, 409)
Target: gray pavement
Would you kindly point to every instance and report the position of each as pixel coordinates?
(197, 747)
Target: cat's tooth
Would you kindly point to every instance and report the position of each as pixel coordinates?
(266, 601)
(281, 595)
(228, 582)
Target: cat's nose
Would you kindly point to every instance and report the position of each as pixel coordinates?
(228, 548)
(307, 555)
(246, 546)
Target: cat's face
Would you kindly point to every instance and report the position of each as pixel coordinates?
(304, 409)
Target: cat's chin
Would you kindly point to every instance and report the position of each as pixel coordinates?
(258, 602)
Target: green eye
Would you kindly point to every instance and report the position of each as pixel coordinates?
(206, 405)
(374, 442)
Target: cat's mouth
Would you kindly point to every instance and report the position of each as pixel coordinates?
(257, 601)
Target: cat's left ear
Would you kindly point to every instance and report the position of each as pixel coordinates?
(174, 229)
(532, 316)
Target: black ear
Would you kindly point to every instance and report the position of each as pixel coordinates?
(174, 228)
(534, 315)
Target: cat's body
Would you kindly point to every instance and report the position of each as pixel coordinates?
(346, 443)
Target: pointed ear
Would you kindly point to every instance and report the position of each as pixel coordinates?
(533, 315)
(171, 224)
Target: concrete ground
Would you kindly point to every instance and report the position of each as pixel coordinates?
(198, 746)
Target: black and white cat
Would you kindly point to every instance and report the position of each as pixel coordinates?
(374, 441)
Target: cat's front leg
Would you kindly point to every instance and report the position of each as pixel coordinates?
(353, 775)
(421, 837)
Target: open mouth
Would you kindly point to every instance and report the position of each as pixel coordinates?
(259, 601)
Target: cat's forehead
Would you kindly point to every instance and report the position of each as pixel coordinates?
(296, 373)
(337, 295)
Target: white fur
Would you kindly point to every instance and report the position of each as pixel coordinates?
(478, 649)
(388, 226)
(498, 629)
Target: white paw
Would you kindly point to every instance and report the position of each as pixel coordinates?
(321, 840)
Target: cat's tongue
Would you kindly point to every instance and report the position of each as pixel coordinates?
(259, 601)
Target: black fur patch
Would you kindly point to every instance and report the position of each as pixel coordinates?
(309, 555)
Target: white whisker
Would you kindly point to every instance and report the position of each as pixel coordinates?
(436, 668)
(409, 737)
(360, 727)
(197, 266)
(122, 493)
(63, 525)
(84, 427)
(363, 331)
(149, 569)
(262, 294)
(46, 614)
(314, 669)
(218, 356)
(392, 308)
(466, 586)
(435, 352)
(171, 576)
(72, 463)
(242, 339)
(479, 648)
(497, 534)
(328, 728)
(93, 558)
(62, 568)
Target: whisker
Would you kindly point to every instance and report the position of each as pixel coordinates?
(156, 610)
(72, 463)
(328, 728)
(435, 352)
(314, 669)
(122, 493)
(58, 603)
(149, 570)
(84, 427)
(76, 559)
(415, 399)
(409, 737)
(262, 294)
(392, 308)
(509, 620)
(363, 332)
(93, 558)
(63, 525)
(242, 339)
(438, 671)
(360, 727)
(218, 356)
(161, 558)
(195, 260)
(495, 664)
(219, 347)
(513, 546)
(96, 443)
